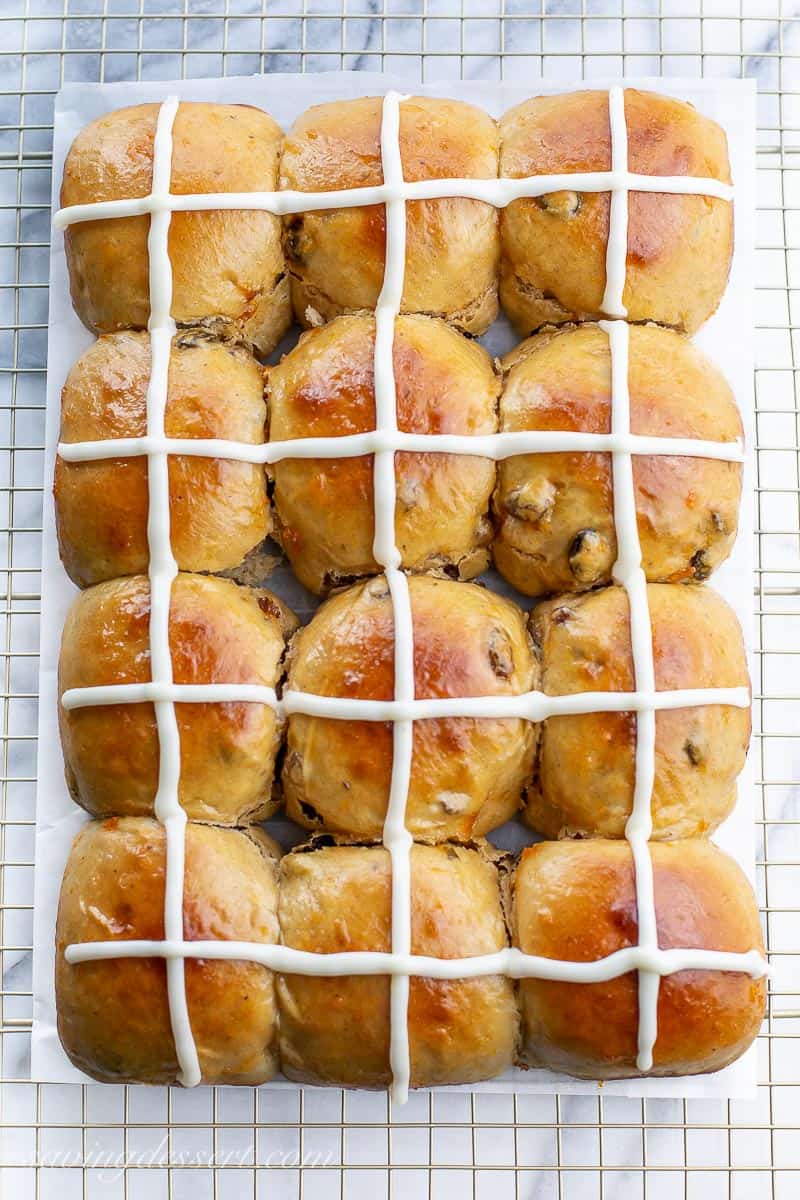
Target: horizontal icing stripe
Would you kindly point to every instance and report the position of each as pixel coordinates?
(511, 961)
(497, 192)
(530, 706)
(496, 446)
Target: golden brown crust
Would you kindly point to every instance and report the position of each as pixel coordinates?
(584, 779)
(577, 901)
(336, 259)
(467, 774)
(219, 633)
(113, 1015)
(336, 1031)
(553, 250)
(324, 508)
(554, 513)
(224, 264)
(218, 508)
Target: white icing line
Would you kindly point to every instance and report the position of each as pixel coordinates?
(647, 958)
(510, 961)
(617, 245)
(174, 693)
(396, 837)
(627, 570)
(497, 192)
(496, 446)
(529, 706)
(162, 570)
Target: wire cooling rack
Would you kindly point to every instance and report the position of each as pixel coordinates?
(115, 1141)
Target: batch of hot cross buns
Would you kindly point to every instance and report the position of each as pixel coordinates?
(546, 521)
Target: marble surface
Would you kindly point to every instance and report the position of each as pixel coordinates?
(430, 39)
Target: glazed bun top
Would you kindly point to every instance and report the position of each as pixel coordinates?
(219, 633)
(467, 774)
(114, 1015)
(324, 509)
(218, 508)
(554, 248)
(225, 264)
(577, 901)
(584, 780)
(336, 260)
(555, 513)
(337, 1031)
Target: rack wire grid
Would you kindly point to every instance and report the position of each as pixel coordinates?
(129, 1142)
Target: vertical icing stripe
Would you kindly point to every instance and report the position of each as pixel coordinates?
(162, 571)
(628, 572)
(396, 837)
(617, 245)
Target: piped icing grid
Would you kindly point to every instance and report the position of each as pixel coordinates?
(647, 958)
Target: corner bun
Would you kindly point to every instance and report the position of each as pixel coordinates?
(324, 508)
(227, 265)
(554, 513)
(467, 774)
(336, 259)
(584, 780)
(553, 261)
(218, 507)
(336, 1031)
(577, 901)
(113, 1014)
(219, 633)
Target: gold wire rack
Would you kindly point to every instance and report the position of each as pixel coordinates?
(130, 1142)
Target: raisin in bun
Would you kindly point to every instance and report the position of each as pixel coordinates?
(225, 264)
(583, 784)
(336, 258)
(324, 508)
(113, 1014)
(467, 774)
(577, 901)
(219, 633)
(336, 1030)
(218, 507)
(554, 513)
(553, 263)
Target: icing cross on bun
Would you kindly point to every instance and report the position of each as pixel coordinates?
(338, 1031)
(578, 900)
(554, 513)
(226, 265)
(324, 508)
(114, 1016)
(218, 506)
(336, 259)
(554, 247)
(583, 783)
(219, 632)
(467, 775)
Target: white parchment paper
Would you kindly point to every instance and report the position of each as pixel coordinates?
(727, 338)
